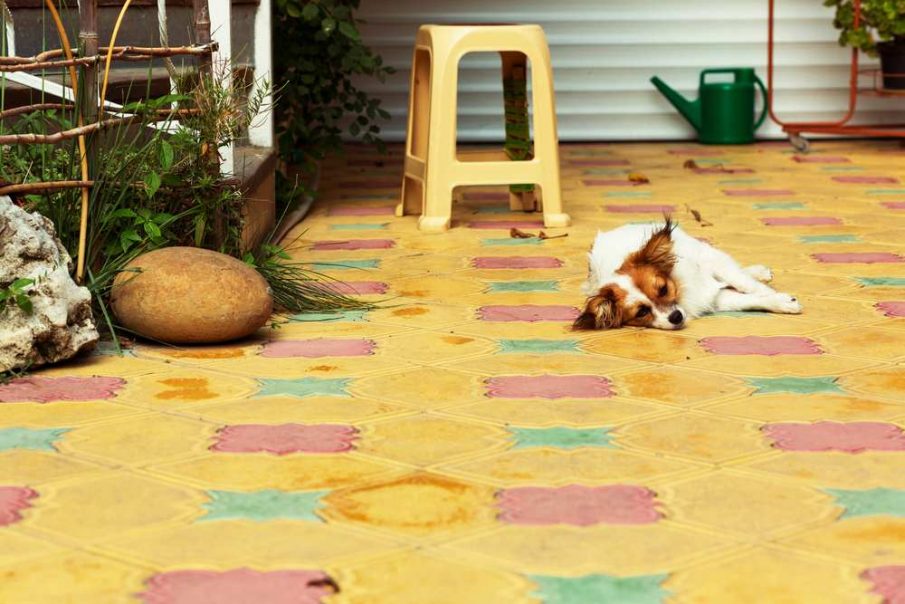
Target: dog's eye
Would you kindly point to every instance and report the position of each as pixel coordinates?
(643, 311)
(664, 289)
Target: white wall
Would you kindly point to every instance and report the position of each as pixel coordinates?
(604, 52)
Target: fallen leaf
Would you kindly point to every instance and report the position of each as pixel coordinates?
(543, 235)
(514, 233)
(697, 216)
(639, 178)
(714, 169)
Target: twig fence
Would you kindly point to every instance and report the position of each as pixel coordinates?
(93, 117)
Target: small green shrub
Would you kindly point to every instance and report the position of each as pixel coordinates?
(881, 21)
(320, 52)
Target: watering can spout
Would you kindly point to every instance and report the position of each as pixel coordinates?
(691, 110)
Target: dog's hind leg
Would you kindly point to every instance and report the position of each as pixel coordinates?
(759, 272)
(737, 278)
(771, 301)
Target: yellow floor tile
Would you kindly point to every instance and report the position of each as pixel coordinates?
(764, 575)
(75, 577)
(390, 580)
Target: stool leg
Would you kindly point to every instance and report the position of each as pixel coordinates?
(441, 146)
(412, 197)
(418, 134)
(546, 141)
(518, 136)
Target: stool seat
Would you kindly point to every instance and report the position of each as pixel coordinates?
(433, 169)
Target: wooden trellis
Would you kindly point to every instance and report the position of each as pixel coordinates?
(100, 114)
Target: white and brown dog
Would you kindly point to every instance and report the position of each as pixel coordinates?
(656, 275)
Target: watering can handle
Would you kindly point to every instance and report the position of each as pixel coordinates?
(705, 72)
(757, 80)
(763, 113)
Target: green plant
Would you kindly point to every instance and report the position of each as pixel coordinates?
(296, 288)
(156, 187)
(881, 21)
(16, 294)
(321, 51)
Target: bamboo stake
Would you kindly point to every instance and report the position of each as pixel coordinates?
(32, 187)
(30, 108)
(57, 137)
(88, 47)
(83, 226)
(158, 115)
(48, 64)
(154, 51)
(109, 60)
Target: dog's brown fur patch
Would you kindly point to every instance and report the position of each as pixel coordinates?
(650, 268)
(603, 310)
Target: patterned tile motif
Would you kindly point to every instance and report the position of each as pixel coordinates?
(285, 439)
(12, 501)
(870, 502)
(601, 588)
(268, 504)
(852, 437)
(27, 438)
(562, 438)
(460, 443)
(578, 505)
(888, 582)
(239, 586)
(38, 389)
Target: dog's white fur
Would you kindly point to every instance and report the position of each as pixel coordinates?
(709, 280)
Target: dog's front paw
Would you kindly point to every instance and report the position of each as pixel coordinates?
(760, 272)
(786, 304)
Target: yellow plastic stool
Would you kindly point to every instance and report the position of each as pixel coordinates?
(432, 167)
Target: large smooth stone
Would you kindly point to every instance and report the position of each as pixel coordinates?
(187, 295)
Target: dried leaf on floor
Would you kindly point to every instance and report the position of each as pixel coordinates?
(713, 169)
(698, 217)
(543, 235)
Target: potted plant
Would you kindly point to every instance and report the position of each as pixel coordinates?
(881, 31)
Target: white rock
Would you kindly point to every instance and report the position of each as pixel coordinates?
(61, 324)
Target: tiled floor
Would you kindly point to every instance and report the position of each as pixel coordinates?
(460, 444)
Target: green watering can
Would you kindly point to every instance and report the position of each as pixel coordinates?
(724, 111)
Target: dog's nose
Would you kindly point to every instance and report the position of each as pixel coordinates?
(676, 317)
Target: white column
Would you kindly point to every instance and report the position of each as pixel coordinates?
(221, 33)
(9, 39)
(260, 132)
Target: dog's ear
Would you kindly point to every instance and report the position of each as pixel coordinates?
(601, 311)
(585, 321)
(657, 251)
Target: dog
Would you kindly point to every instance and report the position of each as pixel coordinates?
(656, 275)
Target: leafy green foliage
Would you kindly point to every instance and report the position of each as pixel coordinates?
(881, 21)
(320, 52)
(16, 294)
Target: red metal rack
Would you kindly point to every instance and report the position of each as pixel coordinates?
(795, 130)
